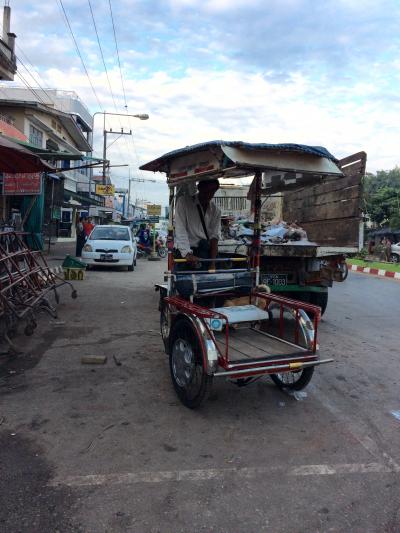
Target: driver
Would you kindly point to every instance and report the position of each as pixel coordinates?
(198, 223)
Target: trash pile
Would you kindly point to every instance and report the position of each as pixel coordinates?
(273, 232)
(26, 281)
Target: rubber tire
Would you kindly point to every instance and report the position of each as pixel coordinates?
(162, 317)
(394, 258)
(134, 263)
(320, 299)
(345, 271)
(183, 329)
(163, 253)
(303, 381)
(131, 267)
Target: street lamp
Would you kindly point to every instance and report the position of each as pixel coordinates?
(140, 116)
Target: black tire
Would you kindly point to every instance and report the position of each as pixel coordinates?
(134, 263)
(293, 380)
(394, 258)
(162, 252)
(163, 327)
(320, 299)
(131, 267)
(344, 270)
(191, 383)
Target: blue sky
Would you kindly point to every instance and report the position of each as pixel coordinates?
(306, 71)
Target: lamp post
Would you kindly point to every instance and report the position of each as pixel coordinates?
(140, 116)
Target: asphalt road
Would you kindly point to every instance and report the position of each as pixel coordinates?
(110, 449)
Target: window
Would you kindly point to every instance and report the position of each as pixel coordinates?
(35, 136)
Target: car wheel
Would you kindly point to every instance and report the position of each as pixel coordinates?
(131, 267)
(394, 258)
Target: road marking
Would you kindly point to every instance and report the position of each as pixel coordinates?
(215, 473)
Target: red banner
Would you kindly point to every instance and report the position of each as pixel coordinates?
(22, 183)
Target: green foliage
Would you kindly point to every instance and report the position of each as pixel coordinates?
(382, 197)
(362, 254)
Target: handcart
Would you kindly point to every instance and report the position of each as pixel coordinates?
(26, 281)
(223, 322)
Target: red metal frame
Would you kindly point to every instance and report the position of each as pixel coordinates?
(182, 305)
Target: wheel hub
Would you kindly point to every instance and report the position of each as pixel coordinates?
(183, 362)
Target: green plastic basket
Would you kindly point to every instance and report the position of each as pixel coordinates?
(72, 262)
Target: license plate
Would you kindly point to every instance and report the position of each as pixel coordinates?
(275, 280)
(106, 257)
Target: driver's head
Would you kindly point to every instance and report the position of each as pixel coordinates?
(207, 189)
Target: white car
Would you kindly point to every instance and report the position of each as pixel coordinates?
(395, 253)
(110, 246)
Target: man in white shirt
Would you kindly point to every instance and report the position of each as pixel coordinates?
(198, 223)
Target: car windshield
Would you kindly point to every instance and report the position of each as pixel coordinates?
(110, 234)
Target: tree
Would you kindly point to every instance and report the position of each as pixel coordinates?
(382, 197)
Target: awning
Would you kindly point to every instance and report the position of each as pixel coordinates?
(14, 158)
(82, 199)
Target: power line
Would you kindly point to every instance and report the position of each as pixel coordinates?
(79, 52)
(122, 82)
(31, 89)
(119, 62)
(35, 80)
(102, 56)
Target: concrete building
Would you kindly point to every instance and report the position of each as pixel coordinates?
(57, 126)
(8, 60)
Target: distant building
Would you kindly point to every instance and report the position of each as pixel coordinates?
(232, 200)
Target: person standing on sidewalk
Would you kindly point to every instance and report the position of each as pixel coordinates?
(80, 237)
(388, 249)
(88, 226)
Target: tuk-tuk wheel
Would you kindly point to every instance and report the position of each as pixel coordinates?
(293, 380)
(188, 374)
(164, 326)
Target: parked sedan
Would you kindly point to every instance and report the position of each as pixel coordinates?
(110, 246)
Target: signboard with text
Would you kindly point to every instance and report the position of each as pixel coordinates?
(29, 183)
(153, 210)
(105, 190)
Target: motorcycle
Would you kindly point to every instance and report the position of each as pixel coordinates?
(144, 250)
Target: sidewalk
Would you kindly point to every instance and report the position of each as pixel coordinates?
(57, 254)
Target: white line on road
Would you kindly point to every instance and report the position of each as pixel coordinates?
(215, 473)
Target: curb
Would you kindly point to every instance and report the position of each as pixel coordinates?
(375, 271)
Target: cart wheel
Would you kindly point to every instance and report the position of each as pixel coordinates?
(293, 380)
(190, 380)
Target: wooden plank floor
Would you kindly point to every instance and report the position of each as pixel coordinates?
(248, 343)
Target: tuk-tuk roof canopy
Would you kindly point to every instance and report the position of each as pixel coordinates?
(236, 159)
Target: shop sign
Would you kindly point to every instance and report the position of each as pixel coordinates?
(29, 183)
(105, 190)
(153, 210)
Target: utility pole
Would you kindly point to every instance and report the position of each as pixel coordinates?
(105, 132)
(129, 186)
(140, 116)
